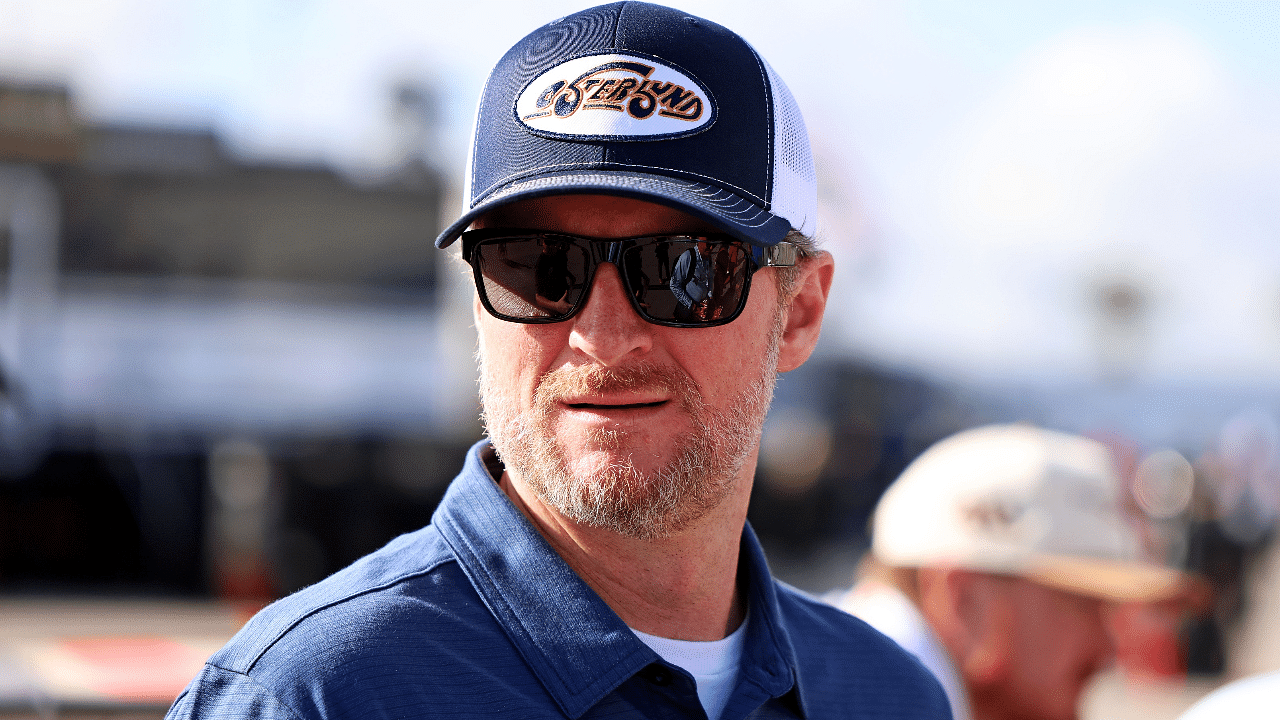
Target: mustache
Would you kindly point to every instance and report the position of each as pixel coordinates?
(644, 375)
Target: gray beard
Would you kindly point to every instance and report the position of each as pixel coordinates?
(622, 498)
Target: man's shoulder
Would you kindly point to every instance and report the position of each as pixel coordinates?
(809, 617)
(397, 628)
(416, 570)
(402, 631)
(837, 650)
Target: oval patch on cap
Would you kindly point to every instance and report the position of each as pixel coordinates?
(615, 96)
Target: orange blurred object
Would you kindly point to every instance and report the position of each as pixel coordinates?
(133, 669)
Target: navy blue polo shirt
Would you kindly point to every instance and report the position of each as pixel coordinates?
(475, 616)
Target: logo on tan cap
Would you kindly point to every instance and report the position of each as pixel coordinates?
(615, 96)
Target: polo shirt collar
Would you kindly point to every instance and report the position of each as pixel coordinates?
(575, 643)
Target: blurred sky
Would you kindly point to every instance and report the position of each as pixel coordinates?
(991, 171)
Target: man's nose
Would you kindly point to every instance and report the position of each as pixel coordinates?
(607, 328)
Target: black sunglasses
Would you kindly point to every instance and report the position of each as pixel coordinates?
(531, 276)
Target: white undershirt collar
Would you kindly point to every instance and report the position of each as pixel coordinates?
(713, 664)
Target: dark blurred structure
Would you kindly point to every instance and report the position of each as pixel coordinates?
(138, 265)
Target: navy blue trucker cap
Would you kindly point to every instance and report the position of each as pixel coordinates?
(648, 102)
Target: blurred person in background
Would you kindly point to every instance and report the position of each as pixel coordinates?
(592, 559)
(995, 558)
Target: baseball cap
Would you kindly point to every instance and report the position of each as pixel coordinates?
(1020, 500)
(648, 102)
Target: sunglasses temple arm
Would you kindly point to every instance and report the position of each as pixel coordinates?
(784, 254)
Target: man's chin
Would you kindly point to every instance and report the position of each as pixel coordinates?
(646, 452)
(608, 463)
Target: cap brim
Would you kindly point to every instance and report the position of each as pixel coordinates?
(1114, 580)
(728, 211)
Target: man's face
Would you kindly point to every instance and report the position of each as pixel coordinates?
(613, 421)
(1060, 641)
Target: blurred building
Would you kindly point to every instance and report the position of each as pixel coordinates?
(165, 305)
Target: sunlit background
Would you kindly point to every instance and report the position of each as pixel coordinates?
(232, 361)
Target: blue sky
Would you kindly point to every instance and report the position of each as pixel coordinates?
(989, 168)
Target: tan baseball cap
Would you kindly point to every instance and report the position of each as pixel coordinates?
(1020, 500)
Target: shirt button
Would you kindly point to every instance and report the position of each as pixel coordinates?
(658, 675)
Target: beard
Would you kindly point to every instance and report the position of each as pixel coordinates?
(621, 497)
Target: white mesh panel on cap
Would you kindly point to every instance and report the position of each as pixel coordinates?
(468, 192)
(795, 186)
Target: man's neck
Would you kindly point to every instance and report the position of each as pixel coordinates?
(683, 586)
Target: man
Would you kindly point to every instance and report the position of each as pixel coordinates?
(691, 282)
(994, 558)
(593, 560)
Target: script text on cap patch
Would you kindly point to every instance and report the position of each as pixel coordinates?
(615, 96)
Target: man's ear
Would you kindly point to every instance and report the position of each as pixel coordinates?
(972, 614)
(803, 320)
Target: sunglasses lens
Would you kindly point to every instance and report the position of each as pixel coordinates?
(677, 281)
(532, 278)
(686, 281)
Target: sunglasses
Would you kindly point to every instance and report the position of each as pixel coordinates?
(530, 276)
